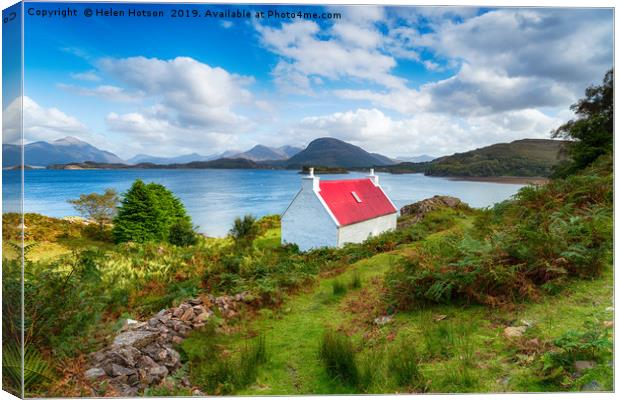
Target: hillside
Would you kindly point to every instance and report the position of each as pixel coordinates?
(330, 152)
(220, 163)
(526, 157)
(511, 299)
(185, 158)
(61, 151)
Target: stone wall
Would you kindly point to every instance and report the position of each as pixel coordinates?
(142, 354)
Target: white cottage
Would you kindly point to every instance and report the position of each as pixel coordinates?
(335, 212)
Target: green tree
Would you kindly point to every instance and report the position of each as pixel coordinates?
(244, 230)
(100, 208)
(591, 134)
(182, 233)
(147, 213)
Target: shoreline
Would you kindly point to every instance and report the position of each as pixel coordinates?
(535, 180)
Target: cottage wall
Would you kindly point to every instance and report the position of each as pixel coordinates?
(357, 233)
(307, 224)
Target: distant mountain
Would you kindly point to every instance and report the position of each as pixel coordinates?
(61, 151)
(182, 159)
(290, 151)
(330, 152)
(220, 163)
(264, 153)
(420, 158)
(526, 157)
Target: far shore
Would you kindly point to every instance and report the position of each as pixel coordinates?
(519, 180)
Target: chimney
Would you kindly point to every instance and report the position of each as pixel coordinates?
(310, 182)
(374, 178)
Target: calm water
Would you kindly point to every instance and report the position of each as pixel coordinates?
(214, 198)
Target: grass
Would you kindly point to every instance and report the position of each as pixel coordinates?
(337, 353)
(437, 349)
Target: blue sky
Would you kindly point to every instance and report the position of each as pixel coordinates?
(395, 80)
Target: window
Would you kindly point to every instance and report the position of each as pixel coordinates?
(356, 197)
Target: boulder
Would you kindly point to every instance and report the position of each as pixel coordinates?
(94, 373)
(413, 213)
(136, 338)
(119, 370)
(514, 331)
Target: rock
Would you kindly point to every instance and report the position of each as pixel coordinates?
(581, 366)
(592, 386)
(177, 339)
(439, 317)
(203, 317)
(384, 319)
(417, 211)
(177, 312)
(608, 324)
(514, 331)
(147, 362)
(197, 392)
(188, 315)
(137, 339)
(118, 370)
(195, 302)
(156, 374)
(173, 358)
(527, 323)
(130, 322)
(94, 373)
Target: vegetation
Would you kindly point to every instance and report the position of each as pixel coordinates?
(100, 208)
(527, 157)
(424, 308)
(591, 134)
(147, 214)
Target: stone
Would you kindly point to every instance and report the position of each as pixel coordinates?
(153, 322)
(94, 373)
(203, 317)
(165, 318)
(439, 317)
(608, 324)
(177, 339)
(417, 211)
(146, 362)
(119, 370)
(527, 323)
(156, 374)
(177, 312)
(137, 339)
(581, 366)
(173, 359)
(188, 315)
(384, 319)
(592, 386)
(514, 331)
(195, 301)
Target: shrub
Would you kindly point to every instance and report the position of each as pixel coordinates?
(338, 356)
(244, 230)
(182, 233)
(535, 242)
(147, 213)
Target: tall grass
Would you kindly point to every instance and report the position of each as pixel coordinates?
(337, 353)
(338, 288)
(403, 364)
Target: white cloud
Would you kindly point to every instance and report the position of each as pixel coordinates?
(108, 92)
(350, 53)
(426, 133)
(506, 60)
(90, 76)
(196, 94)
(40, 123)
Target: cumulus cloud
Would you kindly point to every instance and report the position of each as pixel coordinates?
(427, 133)
(506, 60)
(349, 53)
(40, 123)
(198, 95)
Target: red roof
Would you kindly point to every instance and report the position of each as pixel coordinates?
(342, 198)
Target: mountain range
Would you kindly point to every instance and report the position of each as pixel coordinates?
(65, 150)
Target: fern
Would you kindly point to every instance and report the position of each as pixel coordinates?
(36, 369)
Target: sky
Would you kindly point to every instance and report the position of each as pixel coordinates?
(400, 81)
